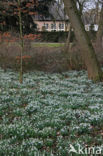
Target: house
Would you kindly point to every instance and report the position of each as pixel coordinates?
(59, 21)
(51, 25)
(88, 27)
(91, 19)
(56, 21)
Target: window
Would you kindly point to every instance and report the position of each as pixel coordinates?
(61, 26)
(87, 27)
(46, 25)
(53, 26)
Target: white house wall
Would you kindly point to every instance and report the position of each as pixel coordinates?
(40, 25)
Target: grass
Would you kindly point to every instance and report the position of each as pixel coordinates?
(36, 44)
(51, 45)
(48, 112)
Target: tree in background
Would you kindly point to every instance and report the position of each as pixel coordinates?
(100, 23)
(81, 6)
(87, 50)
(17, 15)
(29, 8)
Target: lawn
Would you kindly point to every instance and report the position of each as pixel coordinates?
(50, 45)
(48, 112)
(41, 44)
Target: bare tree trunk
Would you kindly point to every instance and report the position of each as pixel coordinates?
(67, 45)
(22, 44)
(100, 30)
(87, 50)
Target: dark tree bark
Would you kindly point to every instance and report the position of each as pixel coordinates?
(87, 50)
(100, 30)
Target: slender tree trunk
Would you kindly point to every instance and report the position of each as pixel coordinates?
(100, 30)
(67, 45)
(22, 44)
(87, 50)
(68, 38)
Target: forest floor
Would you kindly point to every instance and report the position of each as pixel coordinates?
(49, 112)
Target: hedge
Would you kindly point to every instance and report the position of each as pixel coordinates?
(54, 36)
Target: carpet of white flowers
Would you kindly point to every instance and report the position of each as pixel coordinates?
(48, 112)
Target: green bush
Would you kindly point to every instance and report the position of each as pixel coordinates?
(54, 36)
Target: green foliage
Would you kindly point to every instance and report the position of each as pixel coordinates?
(54, 36)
